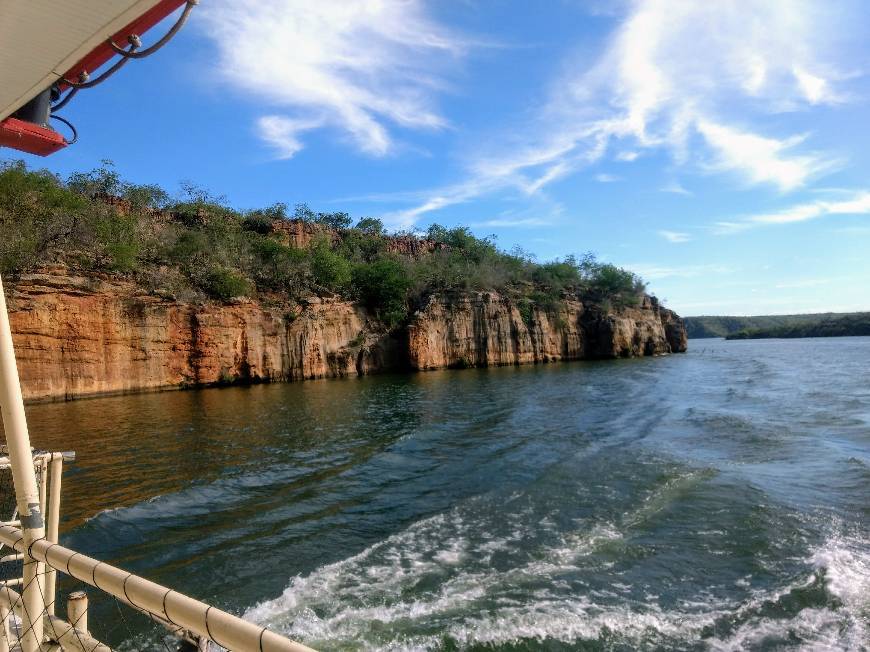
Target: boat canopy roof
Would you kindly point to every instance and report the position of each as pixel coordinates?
(44, 41)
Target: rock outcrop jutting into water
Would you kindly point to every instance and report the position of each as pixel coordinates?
(85, 335)
(485, 329)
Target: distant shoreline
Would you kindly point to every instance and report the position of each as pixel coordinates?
(779, 326)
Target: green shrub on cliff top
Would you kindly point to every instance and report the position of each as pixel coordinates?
(278, 267)
(197, 246)
(38, 213)
(329, 269)
(226, 284)
(383, 287)
(607, 281)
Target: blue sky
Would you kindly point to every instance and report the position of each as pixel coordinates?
(719, 149)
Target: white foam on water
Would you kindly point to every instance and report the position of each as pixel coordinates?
(436, 580)
(816, 627)
(579, 544)
(842, 563)
(846, 565)
(570, 620)
(103, 513)
(112, 512)
(358, 600)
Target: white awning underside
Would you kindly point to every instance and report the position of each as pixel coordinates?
(41, 39)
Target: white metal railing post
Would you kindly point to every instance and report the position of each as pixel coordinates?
(64, 637)
(23, 475)
(54, 476)
(5, 633)
(77, 610)
(42, 483)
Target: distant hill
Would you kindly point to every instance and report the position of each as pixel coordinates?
(826, 324)
(835, 326)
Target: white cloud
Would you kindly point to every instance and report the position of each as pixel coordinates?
(282, 133)
(408, 217)
(761, 159)
(653, 87)
(606, 178)
(676, 188)
(815, 89)
(857, 204)
(729, 227)
(362, 66)
(526, 170)
(665, 88)
(675, 236)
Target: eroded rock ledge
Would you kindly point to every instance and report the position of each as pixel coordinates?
(80, 336)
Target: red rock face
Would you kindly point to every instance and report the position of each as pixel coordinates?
(79, 336)
(411, 246)
(487, 329)
(299, 234)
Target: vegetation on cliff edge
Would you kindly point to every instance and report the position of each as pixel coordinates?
(195, 246)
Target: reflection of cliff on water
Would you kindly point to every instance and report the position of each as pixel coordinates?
(134, 448)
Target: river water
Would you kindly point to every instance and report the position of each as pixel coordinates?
(717, 500)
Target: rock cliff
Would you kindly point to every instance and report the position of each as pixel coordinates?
(85, 335)
(486, 329)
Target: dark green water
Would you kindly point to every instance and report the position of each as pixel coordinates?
(714, 500)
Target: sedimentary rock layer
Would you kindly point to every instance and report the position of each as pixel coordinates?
(486, 329)
(83, 335)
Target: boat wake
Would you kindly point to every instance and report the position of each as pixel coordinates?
(444, 583)
(837, 619)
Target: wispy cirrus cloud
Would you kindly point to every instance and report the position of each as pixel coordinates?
(627, 156)
(676, 237)
(858, 203)
(761, 159)
(816, 90)
(653, 88)
(363, 67)
(282, 133)
(675, 188)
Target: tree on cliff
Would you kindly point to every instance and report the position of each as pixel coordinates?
(196, 247)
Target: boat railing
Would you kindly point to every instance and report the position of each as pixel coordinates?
(195, 623)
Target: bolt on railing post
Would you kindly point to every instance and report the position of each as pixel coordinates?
(24, 476)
